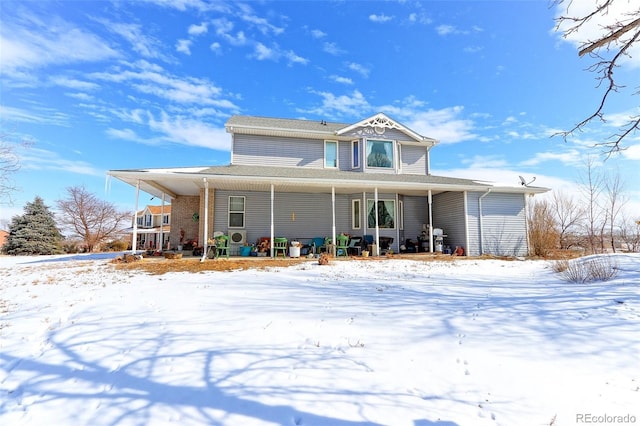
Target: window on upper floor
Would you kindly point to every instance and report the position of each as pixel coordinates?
(380, 154)
(148, 220)
(355, 154)
(165, 219)
(331, 154)
(236, 212)
(139, 220)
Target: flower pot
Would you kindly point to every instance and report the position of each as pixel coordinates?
(365, 253)
(245, 250)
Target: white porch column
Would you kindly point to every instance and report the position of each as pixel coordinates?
(272, 230)
(430, 198)
(205, 234)
(134, 244)
(375, 203)
(160, 248)
(334, 237)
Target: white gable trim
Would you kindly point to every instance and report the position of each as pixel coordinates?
(381, 121)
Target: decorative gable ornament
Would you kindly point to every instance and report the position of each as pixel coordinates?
(378, 125)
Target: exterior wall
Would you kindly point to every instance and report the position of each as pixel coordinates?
(449, 215)
(504, 227)
(299, 152)
(182, 211)
(297, 216)
(254, 150)
(414, 160)
(416, 213)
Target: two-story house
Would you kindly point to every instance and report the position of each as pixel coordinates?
(302, 179)
(153, 227)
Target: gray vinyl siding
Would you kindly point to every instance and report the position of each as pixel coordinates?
(296, 215)
(448, 214)
(413, 160)
(416, 213)
(253, 150)
(504, 231)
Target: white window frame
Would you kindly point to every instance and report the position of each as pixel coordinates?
(394, 154)
(393, 212)
(400, 218)
(327, 142)
(356, 214)
(165, 219)
(243, 212)
(355, 156)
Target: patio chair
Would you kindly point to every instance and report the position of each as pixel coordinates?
(342, 245)
(222, 246)
(280, 245)
(355, 244)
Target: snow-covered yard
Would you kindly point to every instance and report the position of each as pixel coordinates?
(392, 342)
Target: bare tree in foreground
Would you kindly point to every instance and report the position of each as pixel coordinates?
(93, 220)
(617, 35)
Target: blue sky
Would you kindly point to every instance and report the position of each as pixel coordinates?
(97, 85)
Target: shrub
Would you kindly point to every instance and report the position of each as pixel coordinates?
(597, 268)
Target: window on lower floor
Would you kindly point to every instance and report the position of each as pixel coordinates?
(386, 214)
(236, 211)
(355, 214)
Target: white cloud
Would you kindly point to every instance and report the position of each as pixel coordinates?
(420, 18)
(191, 132)
(380, 18)
(216, 47)
(360, 69)
(262, 52)
(73, 83)
(332, 49)
(446, 29)
(184, 46)
(488, 161)
(293, 58)
(41, 159)
(632, 152)
(341, 80)
(445, 125)
(142, 43)
(353, 104)
(29, 44)
(46, 116)
(318, 34)
(151, 79)
(196, 30)
(571, 157)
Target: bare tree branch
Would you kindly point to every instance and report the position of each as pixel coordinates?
(613, 41)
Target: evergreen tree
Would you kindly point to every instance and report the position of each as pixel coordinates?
(34, 232)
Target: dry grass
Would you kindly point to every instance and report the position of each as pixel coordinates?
(160, 265)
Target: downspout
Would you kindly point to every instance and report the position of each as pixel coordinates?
(430, 200)
(466, 220)
(334, 237)
(526, 222)
(481, 221)
(205, 233)
(135, 222)
(375, 203)
(272, 231)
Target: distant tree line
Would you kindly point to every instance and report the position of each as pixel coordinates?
(90, 224)
(592, 222)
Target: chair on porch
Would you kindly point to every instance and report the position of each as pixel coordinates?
(355, 244)
(342, 245)
(222, 246)
(316, 244)
(280, 245)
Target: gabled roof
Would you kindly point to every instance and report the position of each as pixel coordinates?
(156, 210)
(247, 124)
(379, 122)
